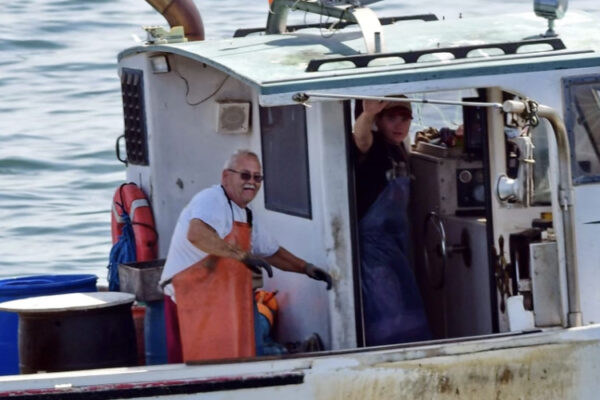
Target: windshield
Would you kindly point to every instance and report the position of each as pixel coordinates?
(582, 118)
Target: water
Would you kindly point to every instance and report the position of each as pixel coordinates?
(60, 114)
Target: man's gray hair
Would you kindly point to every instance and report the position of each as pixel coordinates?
(231, 161)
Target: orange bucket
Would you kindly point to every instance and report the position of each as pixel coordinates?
(139, 314)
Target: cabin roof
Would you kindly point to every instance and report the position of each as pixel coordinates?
(276, 64)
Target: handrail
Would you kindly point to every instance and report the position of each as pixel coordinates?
(459, 52)
(565, 199)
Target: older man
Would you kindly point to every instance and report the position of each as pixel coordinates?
(216, 248)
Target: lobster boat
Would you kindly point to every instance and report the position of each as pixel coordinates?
(505, 156)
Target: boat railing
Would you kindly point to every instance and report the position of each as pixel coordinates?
(458, 52)
(565, 198)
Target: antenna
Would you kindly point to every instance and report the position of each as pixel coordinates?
(551, 10)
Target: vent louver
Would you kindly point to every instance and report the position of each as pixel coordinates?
(233, 117)
(136, 138)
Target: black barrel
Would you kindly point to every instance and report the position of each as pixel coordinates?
(75, 331)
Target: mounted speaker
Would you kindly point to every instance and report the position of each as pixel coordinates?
(233, 117)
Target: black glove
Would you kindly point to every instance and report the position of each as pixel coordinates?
(318, 274)
(256, 263)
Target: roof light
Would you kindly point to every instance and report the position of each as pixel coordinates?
(551, 10)
(160, 64)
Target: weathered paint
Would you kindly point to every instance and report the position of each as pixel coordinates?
(549, 371)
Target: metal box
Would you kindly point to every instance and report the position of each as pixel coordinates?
(141, 279)
(453, 184)
(545, 284)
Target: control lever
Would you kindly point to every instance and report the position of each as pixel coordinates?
(439, 248)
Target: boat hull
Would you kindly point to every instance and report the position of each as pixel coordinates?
(558, 364)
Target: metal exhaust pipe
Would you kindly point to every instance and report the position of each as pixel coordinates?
(181, 13)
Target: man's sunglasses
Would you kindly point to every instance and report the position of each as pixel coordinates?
(246, 175)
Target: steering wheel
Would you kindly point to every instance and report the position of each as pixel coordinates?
(435, 247)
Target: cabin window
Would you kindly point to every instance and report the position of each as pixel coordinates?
(285, 160)
(430, 115)
(582, 119)
(542, 194)
(136, 138)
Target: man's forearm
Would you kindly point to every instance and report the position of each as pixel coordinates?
(206, 239)
(286, 261)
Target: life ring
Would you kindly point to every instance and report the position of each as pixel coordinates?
(131, 199)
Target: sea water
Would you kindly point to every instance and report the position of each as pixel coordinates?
(60, 114)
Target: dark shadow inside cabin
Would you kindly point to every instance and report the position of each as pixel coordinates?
(462, 282)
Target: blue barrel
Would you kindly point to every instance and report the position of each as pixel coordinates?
(31, 286)
(155, 336)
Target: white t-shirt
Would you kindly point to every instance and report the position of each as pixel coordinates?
(211, 206)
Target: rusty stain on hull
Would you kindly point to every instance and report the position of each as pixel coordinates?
(541, 372)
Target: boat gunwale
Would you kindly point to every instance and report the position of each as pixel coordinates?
(280, 365)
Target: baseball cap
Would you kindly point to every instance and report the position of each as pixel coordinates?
(396, 104)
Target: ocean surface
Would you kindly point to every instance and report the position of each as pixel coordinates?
(60, 114)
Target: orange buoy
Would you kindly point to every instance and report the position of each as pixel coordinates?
(131, 199)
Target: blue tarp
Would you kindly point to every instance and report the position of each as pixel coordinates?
(123, 251)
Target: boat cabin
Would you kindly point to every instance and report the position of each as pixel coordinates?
(494, 218)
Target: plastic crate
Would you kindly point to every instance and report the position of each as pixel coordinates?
(141, 279)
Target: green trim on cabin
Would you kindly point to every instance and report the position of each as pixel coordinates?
(275, 64)
(407, 76)
(357, 77)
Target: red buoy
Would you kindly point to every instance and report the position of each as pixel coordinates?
(131, 199)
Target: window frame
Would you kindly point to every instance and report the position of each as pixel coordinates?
(276, 206)
(579, 176)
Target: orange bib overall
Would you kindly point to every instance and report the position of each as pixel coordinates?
(215, 306)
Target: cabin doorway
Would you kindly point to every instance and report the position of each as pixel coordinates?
(450, 218)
